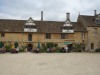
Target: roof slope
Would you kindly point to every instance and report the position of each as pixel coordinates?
(89, 20)
(79, 27)
(43, 26)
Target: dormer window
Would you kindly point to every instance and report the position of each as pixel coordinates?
(26, 26)
(67, 27)
(67, 23)
(30, 26)
(30, 23)
(97, 20)
(30, 20)
(99, 15)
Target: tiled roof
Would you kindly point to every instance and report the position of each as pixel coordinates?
(42, 26)
(89, 20)
(79, 27)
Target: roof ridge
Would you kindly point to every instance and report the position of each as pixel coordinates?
(13, 19)
(34, 20)
(87, 15)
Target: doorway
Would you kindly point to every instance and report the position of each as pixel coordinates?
(29, 47)
(69, 47)
(92, 46)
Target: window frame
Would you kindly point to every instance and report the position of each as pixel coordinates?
(64, 36)
(83, 35)
(2, 34)
(29, 37)
(48, 35)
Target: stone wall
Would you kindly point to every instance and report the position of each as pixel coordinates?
(93, 38)
(22, 38)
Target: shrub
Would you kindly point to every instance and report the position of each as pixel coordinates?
(57, 49)
(77, 48)
(49, 45)
(8, 48)
(97, 50)
(43, 49)
(22, 49)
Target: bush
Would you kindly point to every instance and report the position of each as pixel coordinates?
(97, 50)
(77, 48)
(8, 48)
(22, 49)
(43, 49)
(50, 45)
(57, 49)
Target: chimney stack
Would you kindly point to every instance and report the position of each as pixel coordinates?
(68, 16)
(95, 12)
(41, 15)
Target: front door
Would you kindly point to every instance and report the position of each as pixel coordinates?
(92, 46)
(29, 47)
(69, 47)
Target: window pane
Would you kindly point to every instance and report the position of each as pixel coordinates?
(2, 34)
(83, 35)
(63, 36)
(29, 37)
(48, 36)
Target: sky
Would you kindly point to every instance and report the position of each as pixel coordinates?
(54, 10)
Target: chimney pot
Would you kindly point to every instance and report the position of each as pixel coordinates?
(95, 12)
(41, 15)
(68, 16)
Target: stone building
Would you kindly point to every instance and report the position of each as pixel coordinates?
(92, 26)
(31, 32)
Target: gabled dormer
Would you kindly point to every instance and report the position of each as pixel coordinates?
(30, 26)
(67, 27)
(97, 19)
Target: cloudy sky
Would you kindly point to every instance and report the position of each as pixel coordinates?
(54, 10)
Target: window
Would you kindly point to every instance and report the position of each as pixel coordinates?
(29, 37)
(97, 21)
(27, 26)
(2, 34)
(83, 35)
(48, 36)
(55, 45)
(32, 26)
(64, 36)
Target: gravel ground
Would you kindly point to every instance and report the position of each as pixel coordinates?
(50, 64)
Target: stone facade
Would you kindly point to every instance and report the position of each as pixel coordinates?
(86, 30)
(93, 38)
(22, 38)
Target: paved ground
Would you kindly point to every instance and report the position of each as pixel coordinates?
(50, 64)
